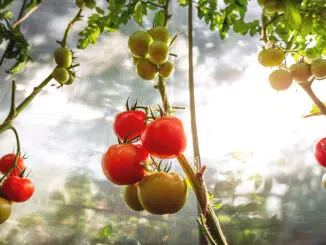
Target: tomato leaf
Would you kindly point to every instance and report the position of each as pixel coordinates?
(159, 18)
(5, 3)
(138, 13)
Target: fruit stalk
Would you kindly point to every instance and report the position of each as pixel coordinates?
(307, 88)
(199, 188)
(69, 27)
(14, 165)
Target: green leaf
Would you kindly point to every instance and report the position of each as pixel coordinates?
(6, 15)
(18, 67)
(5, 3)
(159, 18)
(99, 10)
(138, 13)
(107, 231)
(32, 4)
(183, 3)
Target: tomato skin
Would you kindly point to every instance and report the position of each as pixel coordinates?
(17, 189)
(164, 137)
(121, 163)
(162, 193)
(320, 152)
(7, 161)
(5, 209)
(130, 195)
(129, 123)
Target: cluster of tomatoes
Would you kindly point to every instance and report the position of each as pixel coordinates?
(14, 188)
(62, 74)
(150, 53)
(144, 139)
(282, 78)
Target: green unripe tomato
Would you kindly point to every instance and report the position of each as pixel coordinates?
(80, 3)
(160, 33)
(130, 195)
(146, 69)
(63, 57)
(318, 68)
(158, 52)
(139, 43)
(166, 70)
(71, 79)
(5, 209)
(61, 75)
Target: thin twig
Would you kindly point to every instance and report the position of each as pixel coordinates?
(26, 16)
(69, 27)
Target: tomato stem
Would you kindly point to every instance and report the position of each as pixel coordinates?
(307, 88)
(69, 27)
(14, 165)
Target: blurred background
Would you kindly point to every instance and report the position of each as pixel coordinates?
(254, 141)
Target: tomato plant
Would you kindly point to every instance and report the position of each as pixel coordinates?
(7, 161)
(121, 164)
(5, 209)
(164, 137)
(17, 189)
(162, 193)
(166, 70)
(320, 152)
(271, 57)
(129, 124)
(130, 195)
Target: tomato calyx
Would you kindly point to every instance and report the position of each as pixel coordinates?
(133, 107)
(158, 166)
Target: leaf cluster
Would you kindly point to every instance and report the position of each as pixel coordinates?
(18, 47)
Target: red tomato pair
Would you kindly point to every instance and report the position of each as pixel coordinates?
(14, 188)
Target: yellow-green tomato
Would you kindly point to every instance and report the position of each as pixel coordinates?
(158, 52)
(300, 72)
(318, 68)
(5, 209)
(160, 33)
(280, 79)
(130, 195)
(71, 79)
(166, 70)
(61, 75)
(146, 69)
(139, 43)
(162, 193)
(271, 57)
(63, 57)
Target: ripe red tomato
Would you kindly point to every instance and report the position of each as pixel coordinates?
(121, 163)
(320, 152)
(164, 137)
(17, 189)
(7, 161)
(129, 123)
